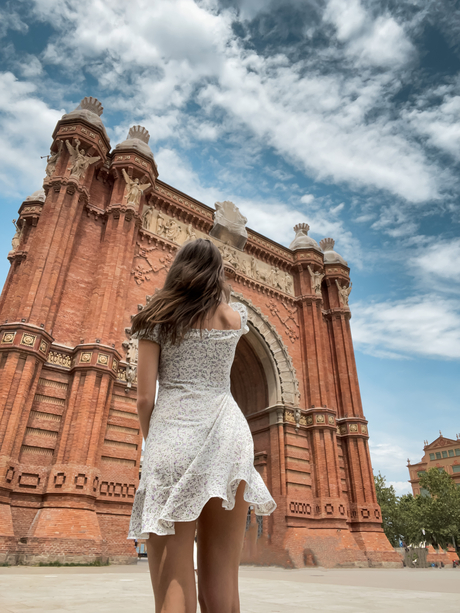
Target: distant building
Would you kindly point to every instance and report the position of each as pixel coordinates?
(443, 454)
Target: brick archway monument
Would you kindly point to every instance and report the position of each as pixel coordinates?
(89, 247)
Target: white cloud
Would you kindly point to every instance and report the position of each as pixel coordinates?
(9, 20)
(437, 263)
(161, 57)
(401, 487)
(427, 325)
(439, 124)
(26, 125)
(379, 42)
(307, 199)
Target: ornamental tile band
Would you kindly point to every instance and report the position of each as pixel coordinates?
(8, 337)
(85, 358)
(28, 339)
(103, 359)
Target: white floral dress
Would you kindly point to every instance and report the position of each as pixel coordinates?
(199, 444)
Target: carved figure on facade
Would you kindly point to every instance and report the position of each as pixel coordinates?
(160, 224)
(134, 189)
(228, 214)
(254, 269)
(230, 256)
(172, 230)
(60, 359)
(52, 160)
(79, 161)
(344, 294)
(190, 233)
(132, 353)
(316, 279)
(15, 241)
(229, 224)
(288, 283)
(147, 218)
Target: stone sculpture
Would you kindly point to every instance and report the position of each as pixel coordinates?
(190, 233)
(316, 278)
(344, 293)
(134, 189)
(52, 160)
(17, 236)
(147, 217)
(160, 224)
(229, 255)
(288, 281)
(79, 161)
(172, 230)
(229, 225)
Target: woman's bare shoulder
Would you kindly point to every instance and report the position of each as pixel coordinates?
(228, 318)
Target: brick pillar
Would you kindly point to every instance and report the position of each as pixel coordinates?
(22, 354)
(364, 512)
(320, 412)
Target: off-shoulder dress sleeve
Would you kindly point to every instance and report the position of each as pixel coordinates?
(241, 308)
(148, 335)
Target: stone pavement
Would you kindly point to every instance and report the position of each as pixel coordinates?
(125, 589)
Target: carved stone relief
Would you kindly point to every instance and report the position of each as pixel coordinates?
(143, 273)
(52, 160)
(290, 315)
(177, 232)
(229, 224)
(79, 160)
(344, 294)
(134, 189)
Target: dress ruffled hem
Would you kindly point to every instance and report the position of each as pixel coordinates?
(254, 493)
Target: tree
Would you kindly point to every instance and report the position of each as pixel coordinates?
(440, 510)
(388, 501)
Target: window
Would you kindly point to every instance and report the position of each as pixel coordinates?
(451, 453)
(425, 493)
(444, 454)
(432, 456)
(456, 469)
(438, 455)
(457, 451)
(422, 472)
(441, 470)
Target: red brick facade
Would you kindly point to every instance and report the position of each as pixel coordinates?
(70, 444)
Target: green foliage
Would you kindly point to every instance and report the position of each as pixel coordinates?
(388, 501)
(437, 512)
(441, 510)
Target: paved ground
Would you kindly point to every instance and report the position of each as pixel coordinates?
(125, 589)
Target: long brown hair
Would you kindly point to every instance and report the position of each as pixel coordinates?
(194, 287)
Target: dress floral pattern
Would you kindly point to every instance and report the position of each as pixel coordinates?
(199, 444)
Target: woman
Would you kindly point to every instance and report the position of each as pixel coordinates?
(198, 468)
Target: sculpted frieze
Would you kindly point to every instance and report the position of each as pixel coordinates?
(163, 225)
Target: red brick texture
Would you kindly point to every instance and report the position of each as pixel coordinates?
(70, 443)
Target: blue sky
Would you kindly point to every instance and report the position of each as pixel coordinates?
(341, 113)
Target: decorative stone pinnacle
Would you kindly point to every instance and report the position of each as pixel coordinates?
(139, 132)
(327, 244)
(302, 226)
(91, 104)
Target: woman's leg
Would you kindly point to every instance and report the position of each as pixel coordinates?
(220, 540)
(171, 569)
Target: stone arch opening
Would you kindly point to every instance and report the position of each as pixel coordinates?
(263, 374)
(252, 378)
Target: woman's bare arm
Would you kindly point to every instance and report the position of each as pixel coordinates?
(147, 372)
